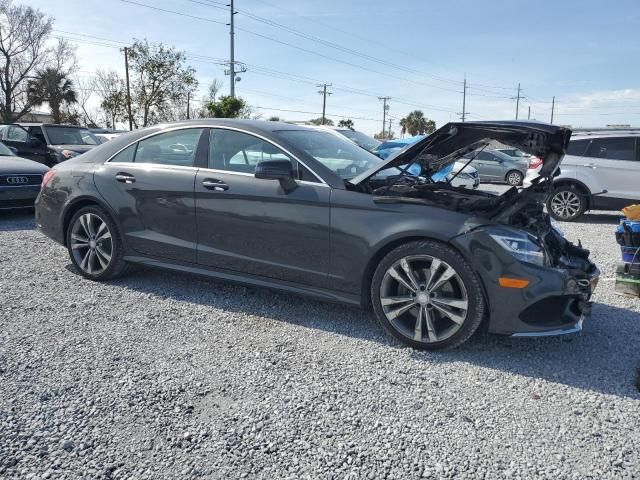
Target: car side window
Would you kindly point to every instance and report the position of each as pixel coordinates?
(484, 156)
(37, 133)
(577, 147)
(14, 133)
(127, 155)
(622, 148)
(171, 148)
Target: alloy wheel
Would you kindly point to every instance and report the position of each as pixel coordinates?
(424, 298)
(514, 178)
(565, 204)
(91, 244)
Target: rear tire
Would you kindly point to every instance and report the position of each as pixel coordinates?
(426, 295)
(94, 244)
(566, 203)
(514, 178)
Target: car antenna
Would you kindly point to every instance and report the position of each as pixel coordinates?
(466, 164)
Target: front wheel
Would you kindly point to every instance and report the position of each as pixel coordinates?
(94, 244)
(566, 203)
(426, 295)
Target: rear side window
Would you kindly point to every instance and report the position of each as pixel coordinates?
(577, 147)
(171, 148)
(622, 148)
(126, 155)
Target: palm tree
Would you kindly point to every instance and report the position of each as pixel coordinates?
(348, 123)
(416, 124)
(53, 87)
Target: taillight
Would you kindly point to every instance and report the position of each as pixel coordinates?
(534, 163)
(47, 178)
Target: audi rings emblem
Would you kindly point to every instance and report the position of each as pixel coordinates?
(17, 180)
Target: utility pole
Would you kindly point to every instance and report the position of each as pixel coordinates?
(553, 106)
(464, 99)
(126, 68)
(518, 101)
(188, 98)
(390, 122)
(324, 94)
(384, 112)
(232, 60)
(529, 113)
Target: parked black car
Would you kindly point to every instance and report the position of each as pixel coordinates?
(47, 143)
(302, 210)
(20, 180)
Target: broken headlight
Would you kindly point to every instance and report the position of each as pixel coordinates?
(521, 245)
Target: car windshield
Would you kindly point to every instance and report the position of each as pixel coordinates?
(365, 141)
(4, 151)
(71, 136)
(341, 156)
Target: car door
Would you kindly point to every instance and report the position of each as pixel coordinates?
(486, 164)
(150, 186)
(26, 145)
(254, 226)
(614, 161)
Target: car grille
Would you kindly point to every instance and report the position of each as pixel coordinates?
(20, 180)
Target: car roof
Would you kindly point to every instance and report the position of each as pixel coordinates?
(632, 132)
(38, 124)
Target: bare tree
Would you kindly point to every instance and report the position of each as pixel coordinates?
(84, 92)
(110, 87)
(23, 35)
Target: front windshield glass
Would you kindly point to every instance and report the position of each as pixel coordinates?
(71, 136)
(365, 141)
(341, 156)
(4, 151)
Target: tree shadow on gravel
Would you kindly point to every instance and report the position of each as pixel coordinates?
(16, 220)
(603, 358)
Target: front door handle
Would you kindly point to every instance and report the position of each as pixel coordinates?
(125, 177)
(215, 184)
(590, 165)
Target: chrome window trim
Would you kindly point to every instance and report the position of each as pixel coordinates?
(224, 127)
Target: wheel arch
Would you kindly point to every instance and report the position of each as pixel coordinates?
(383, 250)
(562, 182)
(75, 205)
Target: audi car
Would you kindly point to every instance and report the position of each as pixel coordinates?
(301, 210)
(19, 180)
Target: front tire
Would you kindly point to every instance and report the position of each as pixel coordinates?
(94, 244)
(514, 178)
(566, 203)
(427, 296)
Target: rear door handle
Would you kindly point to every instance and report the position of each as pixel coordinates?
(125, 177)
(590, 165)
(215, 184)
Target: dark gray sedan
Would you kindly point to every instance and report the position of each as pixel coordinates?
(20, 180)
(297, 209)
(496, 166)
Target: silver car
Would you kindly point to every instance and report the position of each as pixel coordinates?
(495, 166)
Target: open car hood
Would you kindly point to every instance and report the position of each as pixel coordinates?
(449, 143)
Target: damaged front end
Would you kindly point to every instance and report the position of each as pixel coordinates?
(509, 236)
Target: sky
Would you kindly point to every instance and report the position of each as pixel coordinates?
(585, 53)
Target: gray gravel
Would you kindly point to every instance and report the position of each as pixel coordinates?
(161, 375)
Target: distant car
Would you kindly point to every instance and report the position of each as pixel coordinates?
(601, 171)
(469, 178)
(20, 180)
(48, 143)
(106, 134)
(361, 139)
(495, 166)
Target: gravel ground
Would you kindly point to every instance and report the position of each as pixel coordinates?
(161, 375)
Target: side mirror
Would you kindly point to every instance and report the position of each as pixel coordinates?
(281, 170)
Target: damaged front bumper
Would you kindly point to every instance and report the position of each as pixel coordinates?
(555, 301)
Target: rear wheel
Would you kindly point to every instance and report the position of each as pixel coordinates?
(94, 244)
(425, 294)
(514, 178)
(566, 203)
